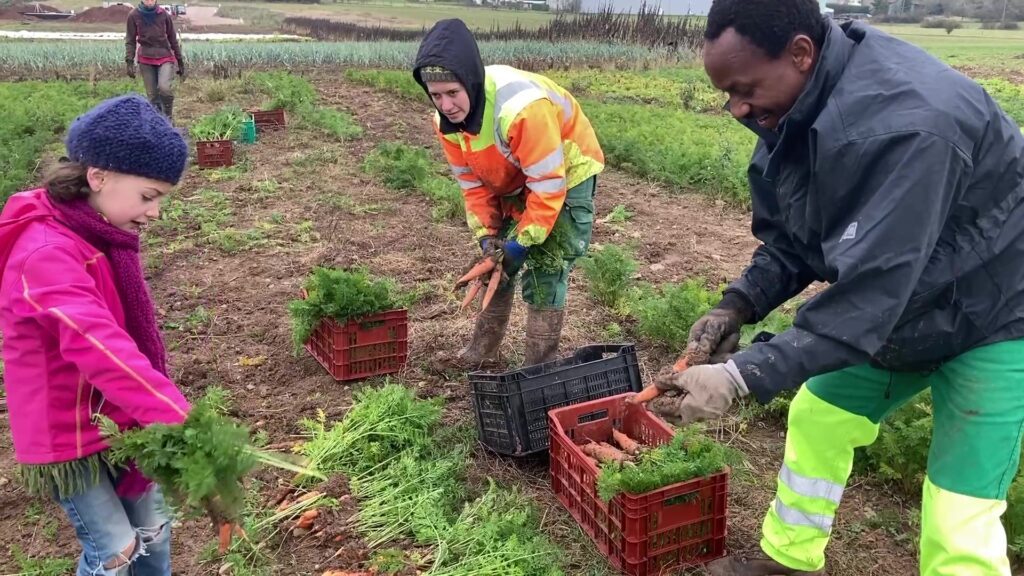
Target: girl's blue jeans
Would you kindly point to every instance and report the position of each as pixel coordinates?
(107, 525)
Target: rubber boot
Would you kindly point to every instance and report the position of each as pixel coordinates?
(543, 331)
(762, 566)
(488, 333)
(168, 106)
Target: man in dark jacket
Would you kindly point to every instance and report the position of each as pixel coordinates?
(897, 181)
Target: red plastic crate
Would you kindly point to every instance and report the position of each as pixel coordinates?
(269, 119)
(680, 525)
(361, 348)
(215, 153)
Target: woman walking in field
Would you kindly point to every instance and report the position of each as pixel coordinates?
(150, 28)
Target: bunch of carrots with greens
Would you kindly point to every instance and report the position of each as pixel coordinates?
(635, 468)
(200, 464)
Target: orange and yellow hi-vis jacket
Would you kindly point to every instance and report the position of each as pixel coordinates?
(534, 141)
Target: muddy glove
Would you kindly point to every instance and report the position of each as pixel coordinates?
(488, 244)
(181, 70)
(129, 69)
(715, 337)
(709, 391)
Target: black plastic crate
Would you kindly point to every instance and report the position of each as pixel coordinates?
(512, 407)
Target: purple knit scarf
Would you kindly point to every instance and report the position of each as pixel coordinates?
(122, 250)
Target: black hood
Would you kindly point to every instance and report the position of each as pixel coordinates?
(451, 45)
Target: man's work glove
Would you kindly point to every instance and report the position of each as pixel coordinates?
(129, 69)
(703, 393)
(716, 335)
(515, 257)
(181, 70)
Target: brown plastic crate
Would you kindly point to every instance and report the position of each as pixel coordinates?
(215, 153)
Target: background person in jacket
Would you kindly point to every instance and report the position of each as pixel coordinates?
(527, 159)
(151, 28)
(80, 333)
(897, 181)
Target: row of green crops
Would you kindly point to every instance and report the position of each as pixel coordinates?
(33, 115)
(28, 58)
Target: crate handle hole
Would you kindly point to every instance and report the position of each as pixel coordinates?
(592, 416)
(681, 499)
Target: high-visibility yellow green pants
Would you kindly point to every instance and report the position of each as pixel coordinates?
(978, 403)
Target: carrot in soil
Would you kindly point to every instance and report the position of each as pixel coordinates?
(604, 452)
(307, 496)
(474, 289)
(306, 520)
(479, 269)
(628, 445)
(282, 495)
(225, 538)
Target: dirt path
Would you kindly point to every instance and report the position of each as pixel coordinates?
(229, 305)
(205, 16)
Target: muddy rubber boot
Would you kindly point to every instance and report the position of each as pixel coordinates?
(543, 331)
(168, 106)
(489, 331)
(761, 566)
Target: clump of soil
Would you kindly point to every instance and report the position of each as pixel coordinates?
(118, 13)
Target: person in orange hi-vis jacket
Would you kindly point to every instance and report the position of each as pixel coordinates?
(527, 160)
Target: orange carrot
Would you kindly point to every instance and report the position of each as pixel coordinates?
(307, 496)
(474, 289)
(306, 520)
(682, 364)
(479, 269)
(645, 395)
(225, 538)
(492, 286)
(604, 452)
(628, 445)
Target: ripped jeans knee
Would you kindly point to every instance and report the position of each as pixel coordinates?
(149, 541)
(104, 522)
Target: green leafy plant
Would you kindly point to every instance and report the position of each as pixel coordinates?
(399, 166)
(609, 273)
(341, 295)
(665, 315)
(900, 454)
(336, 123)
(690, 454)
(224, 124)
(619, 215)
(286, 90)
(382, 423)
(1013, 519)
(200, 464)
(41, 566)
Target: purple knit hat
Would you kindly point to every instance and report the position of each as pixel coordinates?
(127, 134)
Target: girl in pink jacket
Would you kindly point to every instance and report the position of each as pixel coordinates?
(79, 331)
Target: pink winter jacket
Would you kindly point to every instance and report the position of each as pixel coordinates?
(65, 349)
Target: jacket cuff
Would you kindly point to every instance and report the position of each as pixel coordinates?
(736, 301)
(754, 297)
